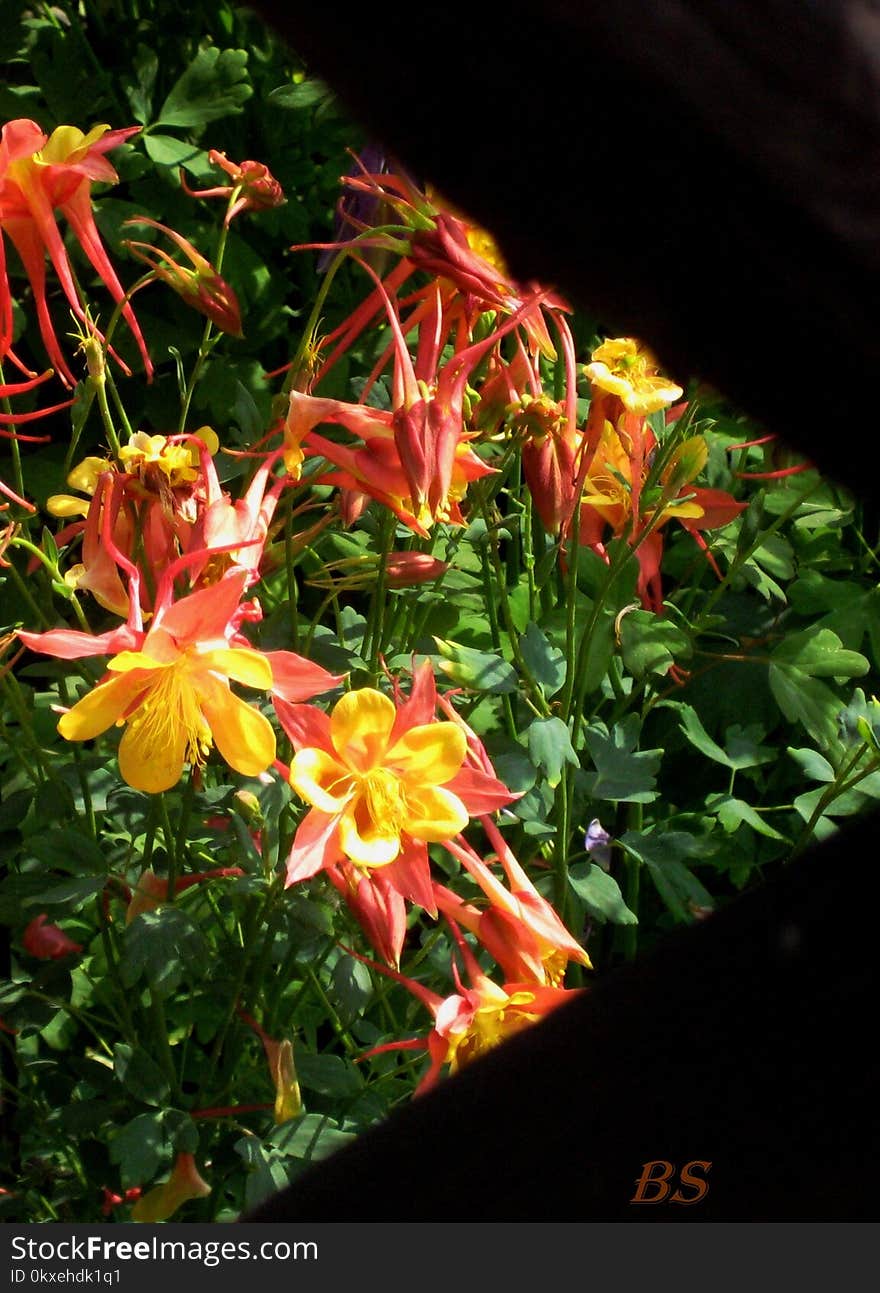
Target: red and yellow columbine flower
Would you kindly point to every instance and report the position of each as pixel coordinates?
(39, 175)
(253, 187)
(475, 1019)
(627, 369)
(382, 783)
(184, 1183)
(170, 689)
(613, 497)
(200, 287)
(519, 928)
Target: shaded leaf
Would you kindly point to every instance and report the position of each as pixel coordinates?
(600, 894)
(623, 774)
(214, 85)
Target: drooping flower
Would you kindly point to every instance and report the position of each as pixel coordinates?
(476, 1018)
(200, 286)
(46, 941)
(382, 783)
(151, 890)
(282, 1069)
(39, 175)
(184, 1183)
(520, 929)
(377, 906)
(254, 185)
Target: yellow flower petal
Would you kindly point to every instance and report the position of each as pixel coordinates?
(241, 733)
(364, 840)
(250, 667)
(431, 753)
(434, 814)
(360, 726)
(147, 765)
(126, 661)
(98, 710)
(321, 780)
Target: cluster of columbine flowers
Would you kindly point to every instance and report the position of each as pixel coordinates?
(383, 775)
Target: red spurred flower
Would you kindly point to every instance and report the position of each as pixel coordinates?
(382, 782)
(46, 941)
(39, 175)
(253, 187)
(200, 286)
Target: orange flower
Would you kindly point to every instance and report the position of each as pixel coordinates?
(183, 1184)
(170, 689)
(253, 187)
(475, 1019)
(41, 174)
(382, 782)
(201, 287)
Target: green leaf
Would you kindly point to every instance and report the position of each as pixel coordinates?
(140, 1148)
(70, 893)
(623, 774)
(352, 986)
(811, 763)
(140, 1074)
(819, 653)
(140, 84)
(310, 1138)
(214, 85)
(662, 854)
(67, 849)
(742, 751)
(797, 665)
(731, 814)
(550, 747)
(546, 662)
(165, 150)
(600, 894)
(306, 94)
(162, 947)
(650, 644)
(328, 1075)
(476, 670)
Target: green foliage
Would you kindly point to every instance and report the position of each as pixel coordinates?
(168, 991)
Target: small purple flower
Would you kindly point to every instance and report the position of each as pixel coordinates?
(598, 844)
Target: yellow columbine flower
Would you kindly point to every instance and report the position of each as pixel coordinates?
(375, 790)
(625, 368)
(178, 462)
(175, 705)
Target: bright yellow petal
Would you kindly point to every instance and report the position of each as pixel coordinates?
(362, 840)
(360, 726)
(125, 661)
(430, 754)
(321, 780)
(434, 814)
(241, 733)
(148, 765)
(98, 710)
(649, 394)
(250, 667)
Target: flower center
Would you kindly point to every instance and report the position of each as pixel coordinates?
(489, 1026)
(382, 802)
(168, 714)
